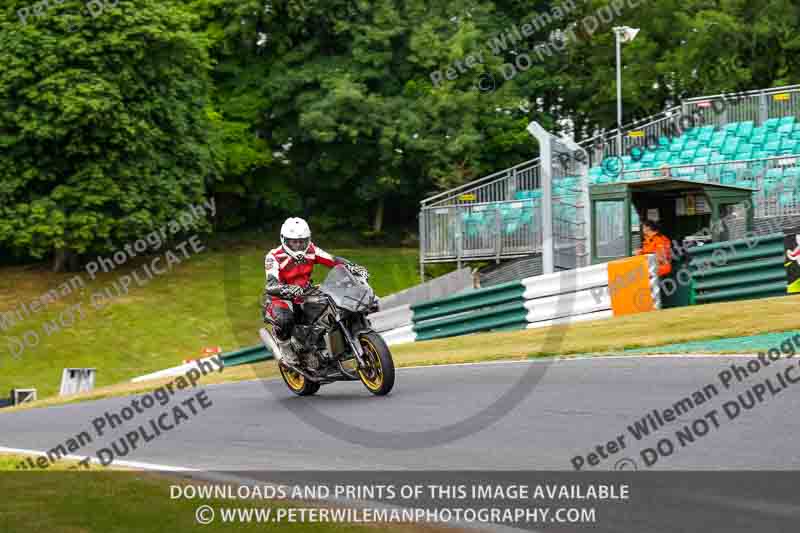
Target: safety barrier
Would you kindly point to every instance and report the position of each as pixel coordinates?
(497, 307)
(742, 269)
(246, 356)
(599, 291)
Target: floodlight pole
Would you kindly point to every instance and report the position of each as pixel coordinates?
(629, 34)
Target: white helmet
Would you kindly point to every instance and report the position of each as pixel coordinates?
(295, 237)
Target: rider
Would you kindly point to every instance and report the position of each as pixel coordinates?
(289, 268)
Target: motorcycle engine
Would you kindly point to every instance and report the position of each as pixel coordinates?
(311, 361)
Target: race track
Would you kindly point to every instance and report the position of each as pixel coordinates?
(577, 405)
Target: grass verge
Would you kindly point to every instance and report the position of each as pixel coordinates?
(129, 501)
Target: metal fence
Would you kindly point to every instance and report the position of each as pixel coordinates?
(481, 230)
(497, 187)
(755, 106)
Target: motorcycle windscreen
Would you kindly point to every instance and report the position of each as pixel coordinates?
(348, 291)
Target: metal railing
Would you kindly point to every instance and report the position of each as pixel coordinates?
(481, 230)
(497, 187)
(756, 106)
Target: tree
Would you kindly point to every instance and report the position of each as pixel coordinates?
(103, 124)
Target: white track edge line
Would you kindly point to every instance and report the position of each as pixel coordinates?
(126, 464)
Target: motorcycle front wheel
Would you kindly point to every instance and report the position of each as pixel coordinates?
(297, 382)
(378, 374)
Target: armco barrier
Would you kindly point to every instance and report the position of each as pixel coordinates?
(400, 335)
(246, 356)
(560, 298)
(742, 269)
(498, 307)
(459, 303)
(390, 319)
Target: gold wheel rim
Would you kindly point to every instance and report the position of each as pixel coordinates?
(295, 380)
(376, 382)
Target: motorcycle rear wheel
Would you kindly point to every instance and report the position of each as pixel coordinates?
(297, 382)
(378, 376)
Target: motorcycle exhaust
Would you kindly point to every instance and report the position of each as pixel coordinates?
(270, 342)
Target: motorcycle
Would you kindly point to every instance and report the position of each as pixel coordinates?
(334, 340)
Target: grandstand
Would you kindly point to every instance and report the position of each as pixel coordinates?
(747, 140)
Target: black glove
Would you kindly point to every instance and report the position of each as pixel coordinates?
(290, 292)
(358, 270)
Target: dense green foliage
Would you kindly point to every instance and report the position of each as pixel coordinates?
(111, 121)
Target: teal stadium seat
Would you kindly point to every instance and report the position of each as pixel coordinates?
(759, 137)
(676, 146)
(788, 146)
(730, 146)
(687, 156)
(717, 140)
(772, 124)
(745, 129)
(649, 158)
(473, 222)
(772, 147)
(703, 151)
(706, 133)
